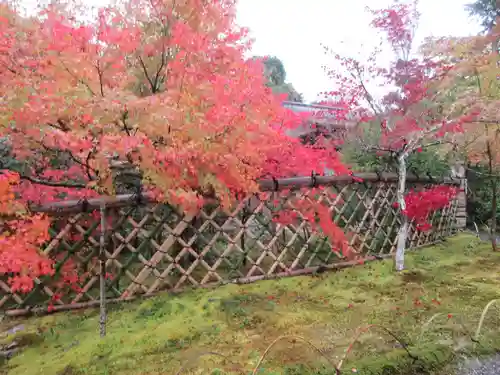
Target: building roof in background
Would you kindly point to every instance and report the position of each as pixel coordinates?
(324, 116)
(303, 107)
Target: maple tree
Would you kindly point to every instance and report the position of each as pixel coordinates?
(406, 120)
(161, 84)
(20, 238)
(420, 204)
(474, 84)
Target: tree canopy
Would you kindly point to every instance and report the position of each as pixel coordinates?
(486, 11)
(275, 73)
(162, 84)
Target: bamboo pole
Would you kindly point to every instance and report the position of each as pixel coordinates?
(88, 205)
(102, 276)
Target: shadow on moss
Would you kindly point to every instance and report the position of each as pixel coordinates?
(159, 335)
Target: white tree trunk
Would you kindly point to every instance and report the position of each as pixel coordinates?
(403, 230)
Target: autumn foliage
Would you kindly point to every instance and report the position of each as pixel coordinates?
(421, 204)
(20, 239)
(475, 85)
(165, 86)
(152, 84)
(161, 84)
(412, 115)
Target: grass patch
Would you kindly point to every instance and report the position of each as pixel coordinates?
(159, 335)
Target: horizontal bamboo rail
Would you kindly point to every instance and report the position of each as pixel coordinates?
(87, 205)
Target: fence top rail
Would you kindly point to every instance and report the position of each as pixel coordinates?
(291, 183)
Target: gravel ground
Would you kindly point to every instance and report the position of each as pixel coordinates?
(489, 366)
(484, 236)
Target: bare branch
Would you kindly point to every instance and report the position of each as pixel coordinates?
(368, 96)
(146, 74)
(100, 73)
(66, 184)
(85, 164)
(80, 80)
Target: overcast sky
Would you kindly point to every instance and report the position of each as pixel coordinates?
(293, 30)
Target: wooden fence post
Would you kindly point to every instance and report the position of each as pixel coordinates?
(102, 271)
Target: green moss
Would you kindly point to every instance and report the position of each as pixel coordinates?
(21, 338)
(159, 335)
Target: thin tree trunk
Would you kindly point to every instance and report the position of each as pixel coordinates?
(494, 203)
(399, 260)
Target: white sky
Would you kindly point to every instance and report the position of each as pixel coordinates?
(294, 30)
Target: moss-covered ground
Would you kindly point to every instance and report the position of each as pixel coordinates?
(157, 336)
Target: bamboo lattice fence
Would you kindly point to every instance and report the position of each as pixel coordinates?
(151, 247)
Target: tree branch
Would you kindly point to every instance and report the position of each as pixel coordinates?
(65, 184)
(368, 96)
(483, 173)
(60, 126)
(124, 123)
(481, 121)
(100, 73)
(146, 74)
(84, 164)
(83, 82)
(164, 60)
